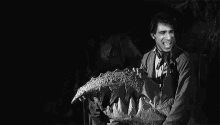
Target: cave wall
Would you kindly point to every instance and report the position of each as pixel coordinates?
(73, 51)
(201, 37)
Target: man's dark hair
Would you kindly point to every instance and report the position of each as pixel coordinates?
(162, 17)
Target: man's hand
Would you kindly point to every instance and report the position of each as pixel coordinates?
(137, 71)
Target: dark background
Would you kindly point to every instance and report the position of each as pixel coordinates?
(65, 30)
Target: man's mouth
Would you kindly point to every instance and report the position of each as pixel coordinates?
(167, 44)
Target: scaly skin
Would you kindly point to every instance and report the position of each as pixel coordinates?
(122, 84)
(113, 80)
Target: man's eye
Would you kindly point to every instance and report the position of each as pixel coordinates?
(162, 32)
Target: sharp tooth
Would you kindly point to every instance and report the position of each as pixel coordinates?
(131, 108)
(140, 106)
(115, 111)
(167, 44)
(121, 107)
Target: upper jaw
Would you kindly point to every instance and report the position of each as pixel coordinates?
(167, 44)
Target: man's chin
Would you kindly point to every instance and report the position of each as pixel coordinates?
(164, 48)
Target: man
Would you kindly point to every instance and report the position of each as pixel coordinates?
(170, 67)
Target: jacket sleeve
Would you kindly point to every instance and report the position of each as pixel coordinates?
(185, 93)
(142, 62)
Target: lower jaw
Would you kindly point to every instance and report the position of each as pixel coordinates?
(167, 47)
(143, 112)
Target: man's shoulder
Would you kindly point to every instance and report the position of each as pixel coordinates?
(147, 54)
(181, 55)
(182, 58)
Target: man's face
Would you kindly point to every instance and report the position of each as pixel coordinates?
(164, 37)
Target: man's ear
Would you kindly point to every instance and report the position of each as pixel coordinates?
(152, 35)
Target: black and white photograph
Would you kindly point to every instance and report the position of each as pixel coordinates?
(149, 62)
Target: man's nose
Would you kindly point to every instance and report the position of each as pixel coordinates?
(168, 36)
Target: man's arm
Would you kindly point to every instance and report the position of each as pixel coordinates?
(184, 98)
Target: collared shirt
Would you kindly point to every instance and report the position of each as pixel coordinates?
(162, 69)
(161, 72)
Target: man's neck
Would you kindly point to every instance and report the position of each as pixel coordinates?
(160, 53)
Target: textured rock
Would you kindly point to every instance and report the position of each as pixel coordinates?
(201, 24)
